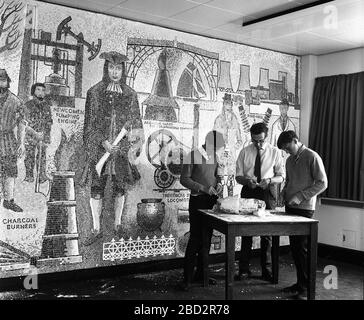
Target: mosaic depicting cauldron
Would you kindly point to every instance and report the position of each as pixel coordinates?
(150, 214)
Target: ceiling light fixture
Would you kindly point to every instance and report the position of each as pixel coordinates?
(288, 11)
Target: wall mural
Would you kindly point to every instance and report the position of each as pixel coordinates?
(71, 202)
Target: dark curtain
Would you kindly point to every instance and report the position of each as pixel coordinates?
(337, 134)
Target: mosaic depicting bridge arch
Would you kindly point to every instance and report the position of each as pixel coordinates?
(139, 50)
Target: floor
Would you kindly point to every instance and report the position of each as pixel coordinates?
(162, 285)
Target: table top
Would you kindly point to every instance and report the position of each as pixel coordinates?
(271, 216)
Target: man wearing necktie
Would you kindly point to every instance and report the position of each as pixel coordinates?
(258, 167)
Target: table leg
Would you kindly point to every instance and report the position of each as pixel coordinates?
(275, 258)
(205, 255)
(230, 265)
(312, 261)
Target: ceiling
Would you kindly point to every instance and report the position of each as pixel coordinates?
(326, 28)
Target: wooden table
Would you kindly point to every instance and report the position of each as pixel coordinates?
(274, 224)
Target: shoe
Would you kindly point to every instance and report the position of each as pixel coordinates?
(11, 205)
(242, 275)
(212, 281)
(184, 286)
(267, 275)
(198, 277)
(93, 237)
(302, 295)
(296, 289)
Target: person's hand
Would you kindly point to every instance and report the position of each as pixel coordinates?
(125, 146)
(124, 149)
(294, 201)
(211, 191)
(252, 183)
(109, 147)
(264, 183)
(219, 188)
(20, 151)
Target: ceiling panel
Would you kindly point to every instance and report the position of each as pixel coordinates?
(346, 27)
(309, 42)
(219, 34)
(89, 4)
(206, 16)
(105, 2)
(255, 8)
(233, 26)
(295, 28)
(355, 37)
(134, 15)
(293, 23)
(350, 21)
(322, 48)
(265, 44)
(199, 1)
(287, 5)
(159, 7)
(180, 25)
(268, 44)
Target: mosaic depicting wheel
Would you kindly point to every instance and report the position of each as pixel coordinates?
(163, 178)
(158, 145)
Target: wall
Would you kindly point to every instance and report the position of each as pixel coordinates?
(174, 90)
(336, 223)
(349, 61)
(309, 73)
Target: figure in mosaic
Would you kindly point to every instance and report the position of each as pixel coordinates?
(39, 117)
(227, 123)
(12, 118)
(283, 123)
(111, 106)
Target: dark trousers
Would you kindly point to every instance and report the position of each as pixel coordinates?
(265, 241)
(194, 246)
(30, 160)
(298, 245)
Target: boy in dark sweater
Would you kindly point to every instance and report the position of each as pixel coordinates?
(305, 179)
(199, 174)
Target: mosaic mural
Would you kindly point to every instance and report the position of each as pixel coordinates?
(60, 209)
